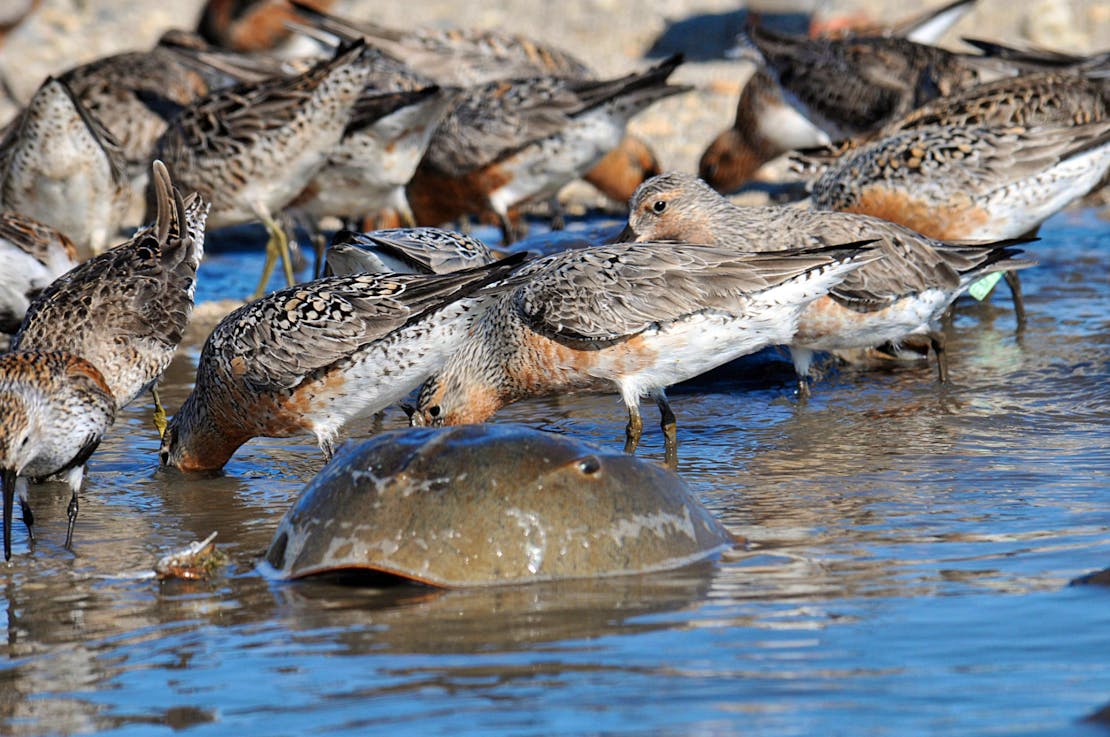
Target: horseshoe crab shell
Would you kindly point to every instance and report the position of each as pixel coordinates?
(484, 505)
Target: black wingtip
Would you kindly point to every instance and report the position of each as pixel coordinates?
(344, 237)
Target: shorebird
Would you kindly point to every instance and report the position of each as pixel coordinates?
(903, 293)
(125, 310)
(510, 142)
(853, 85)
(380, 149)
(1036, 99)
(60, 166)
(623, 169)
(133, 95)
(634, 318)
(969, 182)
(252, 148)
(455, 56)
(32, 255)
(314, 357)
(405, 251)
(249, 25)
(767, 125)
(54, 409)
(463, 58)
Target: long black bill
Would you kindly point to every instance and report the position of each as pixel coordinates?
(8, 476)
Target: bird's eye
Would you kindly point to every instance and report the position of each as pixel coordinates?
(25, 441)
(659, 206)
(434, 410)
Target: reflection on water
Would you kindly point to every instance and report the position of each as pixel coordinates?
(910, 547)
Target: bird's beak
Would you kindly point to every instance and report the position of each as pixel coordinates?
(7, 477)
(415, 418)
(628, 235)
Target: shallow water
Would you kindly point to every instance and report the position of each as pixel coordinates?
(907, 573)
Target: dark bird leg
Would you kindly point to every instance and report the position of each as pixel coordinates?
(8, 480)
(160, 421)
(669, 424)
(936, 340)
(633, 430)
(1014, 282)
(28, 518)
(71, 511)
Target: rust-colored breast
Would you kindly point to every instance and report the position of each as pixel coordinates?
(952, 219)
(437, 199)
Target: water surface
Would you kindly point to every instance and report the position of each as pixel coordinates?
(911, 547)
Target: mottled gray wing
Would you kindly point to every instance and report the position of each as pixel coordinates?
(278, 340)
(910, 262)
(287, 335)
(494, 119)
(611, 292)
(438, 251)
(228, 120)
(1033, 99)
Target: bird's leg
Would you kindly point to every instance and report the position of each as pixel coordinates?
(328, 448)
(320, 249)
(75, 477)
(508, 232)
(669, 424)
(803, 360)
(936, 340)
(277, 245)
(1014, 282)
(8, 479)
(267, 269)
(404, 211)
(71, 511)
(634, 429)
(558, 215)
(159, 413)
(24, 508)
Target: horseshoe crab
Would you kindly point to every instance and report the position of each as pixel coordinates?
(484, 505)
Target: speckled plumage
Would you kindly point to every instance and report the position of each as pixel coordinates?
(405, 251)
(969, 182)
(1038, 99)
(903, 293)
(125, 311)
(54, 409)
(634, 318)
(260, 143)
(455, 56)
(368, 169)
(314, 357)
(61, 166)
(32, 255)
(510, 142)
(251, 149)
(134, 94)
(766, 125)
(848, 86)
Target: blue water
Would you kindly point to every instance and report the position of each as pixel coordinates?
(910, 548)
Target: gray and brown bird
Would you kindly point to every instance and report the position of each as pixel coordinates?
(125, 310)
(54, 410)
